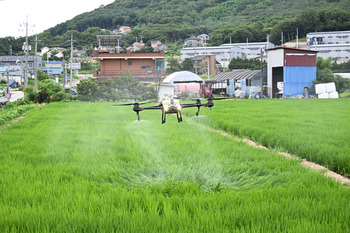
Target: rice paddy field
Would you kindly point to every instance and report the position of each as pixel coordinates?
(315, 129)
(90, 167)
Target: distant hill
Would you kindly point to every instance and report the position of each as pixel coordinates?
(175, 20)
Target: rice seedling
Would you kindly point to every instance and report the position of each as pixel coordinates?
(89, 167)
(318, 130)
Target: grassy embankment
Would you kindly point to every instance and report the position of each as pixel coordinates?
(318, 130)
(87, 167)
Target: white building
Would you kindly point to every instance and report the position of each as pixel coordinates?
(339, 52)
(321, 38)
(330, 44)
(251, 50)
(223, 53)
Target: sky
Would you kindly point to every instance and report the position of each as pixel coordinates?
(42, 14)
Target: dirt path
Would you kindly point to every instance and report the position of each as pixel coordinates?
(303, 162)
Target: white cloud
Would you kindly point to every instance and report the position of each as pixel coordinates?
(43, 14)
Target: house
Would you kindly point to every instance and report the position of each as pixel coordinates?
(105, 30)
(158, 46)
(290, 71)
(124, 29)
(193, 42)
(58, 52)
(136, 46)
(204, 37)
(201, 64)
(143, 66)
(223, 54)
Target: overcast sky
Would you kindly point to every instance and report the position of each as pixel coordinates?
(43, 14)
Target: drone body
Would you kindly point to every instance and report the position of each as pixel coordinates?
(170, 106)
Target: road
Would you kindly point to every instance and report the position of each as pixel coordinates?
(15, 95)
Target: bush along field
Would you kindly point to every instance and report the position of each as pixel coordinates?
(318, 130)
(12, 111)
(90, 167)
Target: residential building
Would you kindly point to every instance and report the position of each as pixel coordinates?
(204, 37)
(109, 43)
(158, 46)
(125, 29)
(58, 52)
(143, 66)
(290, 71)
(194, 42)
(201, 64)
(136, 46)
(223, 54)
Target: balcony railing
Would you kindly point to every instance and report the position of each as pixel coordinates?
(135, 73)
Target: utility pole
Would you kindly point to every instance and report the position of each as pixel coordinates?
(208, 68)
(261, 73)
(64, 73)
(297, 38)
(26, 47)
(8, 82)
(71, 62)
(281, 38)
(36, 64)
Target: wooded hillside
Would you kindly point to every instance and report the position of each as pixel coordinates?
(175, 20)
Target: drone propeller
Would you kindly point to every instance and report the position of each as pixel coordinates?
(134, 103)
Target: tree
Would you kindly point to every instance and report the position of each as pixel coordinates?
(42, 75)
(325, 75)
(243, 63)
(48, 92)
(173, 65)
(187, 64)
(88, 89)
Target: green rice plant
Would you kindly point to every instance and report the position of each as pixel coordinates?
(318, 130)
(90, 167)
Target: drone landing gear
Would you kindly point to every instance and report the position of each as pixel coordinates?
(163, 117)
(198, 110)
(179, 116)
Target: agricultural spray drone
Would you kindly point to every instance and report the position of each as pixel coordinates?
(171, 106)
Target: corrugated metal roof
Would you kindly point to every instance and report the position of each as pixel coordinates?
(237, 75)
(15, 58)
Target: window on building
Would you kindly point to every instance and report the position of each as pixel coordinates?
(146, 67)
(159, 63)
(129, 63)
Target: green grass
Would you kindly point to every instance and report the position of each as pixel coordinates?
(344, 95)
(318, 130)
(90, 167)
